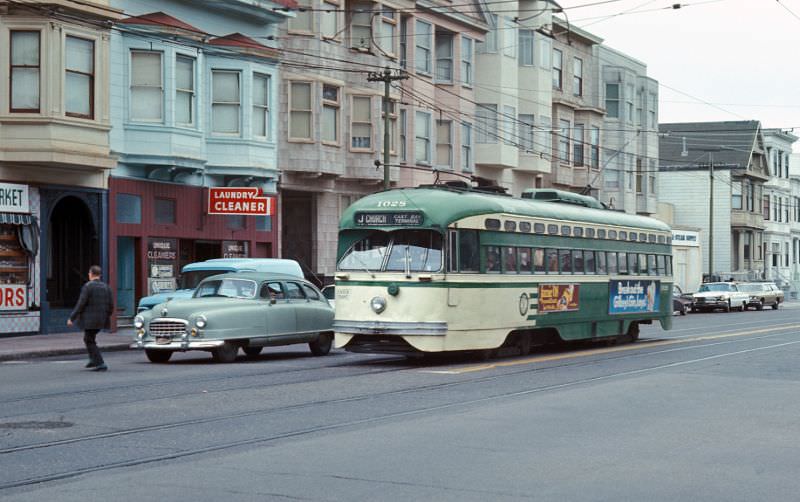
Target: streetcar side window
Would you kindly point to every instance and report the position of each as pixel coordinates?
(643, 264)
(612, 263)
(623, 236)
(601, 233)
(633, 266)
(660, 264)
(669, 265)
(577, 231)
(589, 262)
(538, 228)
(551, 255)
(590, 233)
(552, 229)
(493, 259)
(577, 257)
(565, 259)
(612, 234)
(623, 263)
(601, 263)
(524, 260)
(469, 256)
(509, 260)
(651, 265)
(525, 226)
(538, 261)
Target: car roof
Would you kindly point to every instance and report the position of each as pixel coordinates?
(257, 276)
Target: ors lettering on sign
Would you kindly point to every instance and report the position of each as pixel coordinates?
(13, 297)
(243, 201)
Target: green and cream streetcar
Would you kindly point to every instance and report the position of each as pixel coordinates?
(453, 268)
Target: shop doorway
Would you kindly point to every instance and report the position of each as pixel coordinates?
(127, 264)
(297, 223)
(73, 247)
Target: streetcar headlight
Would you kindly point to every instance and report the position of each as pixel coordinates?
(138, 322)
(201, 321)
(378, 304)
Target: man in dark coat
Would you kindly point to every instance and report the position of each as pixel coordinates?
(93, 313)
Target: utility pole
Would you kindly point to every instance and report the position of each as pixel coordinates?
(711, 217)
(387, 78)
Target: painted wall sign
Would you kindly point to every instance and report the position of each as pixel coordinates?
(559, 297)
(635, 296)
(396, 219)
(14, 198)
(244, 201)
(13, 297)
(156, 286)
(234, 249)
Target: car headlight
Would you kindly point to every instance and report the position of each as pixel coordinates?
(201, 321)
(138, 322)
(378, 304)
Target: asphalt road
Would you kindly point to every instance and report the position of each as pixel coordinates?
(708, 411)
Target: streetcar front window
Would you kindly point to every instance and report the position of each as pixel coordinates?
(366, 254)
(415, 251)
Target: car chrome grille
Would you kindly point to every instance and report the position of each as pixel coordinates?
(167, 327)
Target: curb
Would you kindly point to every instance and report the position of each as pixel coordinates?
(35, 354)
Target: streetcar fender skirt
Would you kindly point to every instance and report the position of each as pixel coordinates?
(390, 328)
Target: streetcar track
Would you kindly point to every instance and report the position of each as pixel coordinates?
(425, 388)
(375, 419)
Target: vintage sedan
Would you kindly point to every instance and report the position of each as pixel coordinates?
(247, 310)
(719, 295)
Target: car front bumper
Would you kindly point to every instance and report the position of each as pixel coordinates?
(178, 345)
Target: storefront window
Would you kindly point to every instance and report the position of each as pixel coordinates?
(13, 258)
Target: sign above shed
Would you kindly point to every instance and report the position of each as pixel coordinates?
(247, 201)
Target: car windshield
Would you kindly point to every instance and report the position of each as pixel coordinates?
(329, 292)
(399, 251)
(751, 288)
(230, 288)
(190, 280)
(716, 287)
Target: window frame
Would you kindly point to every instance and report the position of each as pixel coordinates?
(335, 7)
(467, 161)
(427, 117)
(468, 62)
(527, 47)
(441, 58)
(558, 70)
(160, 87)
(353, 121)
(355, 15)
(237, 104)
(418, 47)
(262, 108)
(449, 145)
(389, 23)
(307, 15)
(577, 76)
(335, 105)
(191, 92)
(12, 67)
(92, 78)
(310, 111)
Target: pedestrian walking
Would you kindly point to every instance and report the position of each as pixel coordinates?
(93, 313)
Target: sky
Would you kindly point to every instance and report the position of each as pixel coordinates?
(714, 59)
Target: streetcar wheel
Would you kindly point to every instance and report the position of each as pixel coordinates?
(524, 344)
(322, 345)
(485, 354)
(633, 332)
(226, 353)
(158, 356)
(252, 351)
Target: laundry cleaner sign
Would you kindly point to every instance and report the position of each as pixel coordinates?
(635, 296)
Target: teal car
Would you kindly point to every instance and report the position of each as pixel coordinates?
(241, 310)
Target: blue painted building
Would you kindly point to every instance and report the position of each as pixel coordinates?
(193, 93)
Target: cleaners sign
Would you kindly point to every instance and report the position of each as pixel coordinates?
(635, 296)
(248, 201)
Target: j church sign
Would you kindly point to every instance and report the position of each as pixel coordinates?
(248, 201)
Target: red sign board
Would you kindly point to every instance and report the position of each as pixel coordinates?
(13, 297)
(559, 297)
(239, 200)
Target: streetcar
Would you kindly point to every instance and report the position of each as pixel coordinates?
(453, 267)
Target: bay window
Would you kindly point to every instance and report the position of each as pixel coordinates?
(423, 42)
(184, 90)
(466, 147)
(361, 123)
(422, 137)
(466, 61)
(79, 77)
(225, 101)
(261, 124)
(444, 56)
(444, 143)
(25, 71)
(147, 86)
(300, 110)
(330, 114)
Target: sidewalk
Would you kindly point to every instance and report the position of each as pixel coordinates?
(57, 344)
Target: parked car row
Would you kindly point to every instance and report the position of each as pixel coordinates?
(727, 296)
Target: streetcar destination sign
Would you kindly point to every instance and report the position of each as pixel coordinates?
(395, 219)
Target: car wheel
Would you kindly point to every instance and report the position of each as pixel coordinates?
(775, 306)
(252, 351)
(322, 345)
(683, 309)
(158, 356)
(226, 353)
(728, 306)
(760, 305)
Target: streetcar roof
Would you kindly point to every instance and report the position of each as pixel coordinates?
(442, 206)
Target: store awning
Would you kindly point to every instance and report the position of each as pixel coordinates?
(15, 219)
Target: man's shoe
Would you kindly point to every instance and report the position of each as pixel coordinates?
(90, 364)
(102, 367)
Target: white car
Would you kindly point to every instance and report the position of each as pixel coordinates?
(720, 295)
